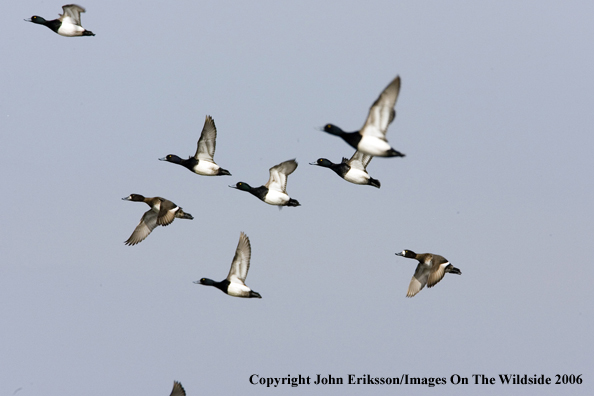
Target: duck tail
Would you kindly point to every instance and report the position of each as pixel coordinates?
(254, 294)
(374, 182)
(453, 270)
(394, 153)
(184, 215)
(293, 202)
(223, 172)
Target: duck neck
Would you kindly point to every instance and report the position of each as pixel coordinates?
(222, 285)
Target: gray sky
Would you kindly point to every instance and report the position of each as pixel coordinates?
(494, 115)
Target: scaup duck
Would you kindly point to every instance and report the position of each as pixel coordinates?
(234, 285)
(371, 139)
(178, 389)
(275, 191)
(68, 24)
(430, 271)
(353, 170)
(161, 213)
(202, 162)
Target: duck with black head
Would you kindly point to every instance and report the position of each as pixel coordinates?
(68, 24)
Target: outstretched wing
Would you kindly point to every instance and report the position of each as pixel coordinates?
(144, 228)
(167, 211)
(279, 174)
(419, 280)
(382, 112)
(241, 261)
(438, 270)
(207, 142)
(72, 11)
(359, 160)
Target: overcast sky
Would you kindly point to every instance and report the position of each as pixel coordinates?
(495, 117)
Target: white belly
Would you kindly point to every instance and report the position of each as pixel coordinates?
(68, 29)
(206, 168)
(356, 176)
(276, 198)
(374, 146)
(238, 290)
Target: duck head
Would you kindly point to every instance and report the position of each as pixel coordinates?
(242, 186)
(134, 197)
(326, 163)
(332, 129)
(171, 158)
(37, 19)
(407, 253)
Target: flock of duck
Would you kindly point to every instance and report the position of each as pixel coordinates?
(370, 141)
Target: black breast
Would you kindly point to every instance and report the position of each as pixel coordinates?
(259, 192)
(352, 138)
(189, 163)
(54, 24)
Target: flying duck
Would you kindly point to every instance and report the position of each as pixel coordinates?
(234, 285)
(202, 162)
(353, 170)
(275, 191)
(178, 389)
(430, 271)
(162, 212)
(371, 139)
(68, 24)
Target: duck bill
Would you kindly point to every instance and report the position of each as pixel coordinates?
(163, 159)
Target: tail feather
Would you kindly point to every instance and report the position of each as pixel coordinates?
(293, 202)
(451, 269)
(254, 294)
(394, 153)
(374, 182)
(183, 215)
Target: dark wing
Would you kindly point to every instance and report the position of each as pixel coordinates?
(178, 389)
(167, 212)
(437, 270)
(144, 228)
(419, 280)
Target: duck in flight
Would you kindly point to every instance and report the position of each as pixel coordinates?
(353, 170)
(275, 191)
(161, 213)
(371, 139)
(202, 162)
(68, 24)
(234, 285)
(430, 270)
